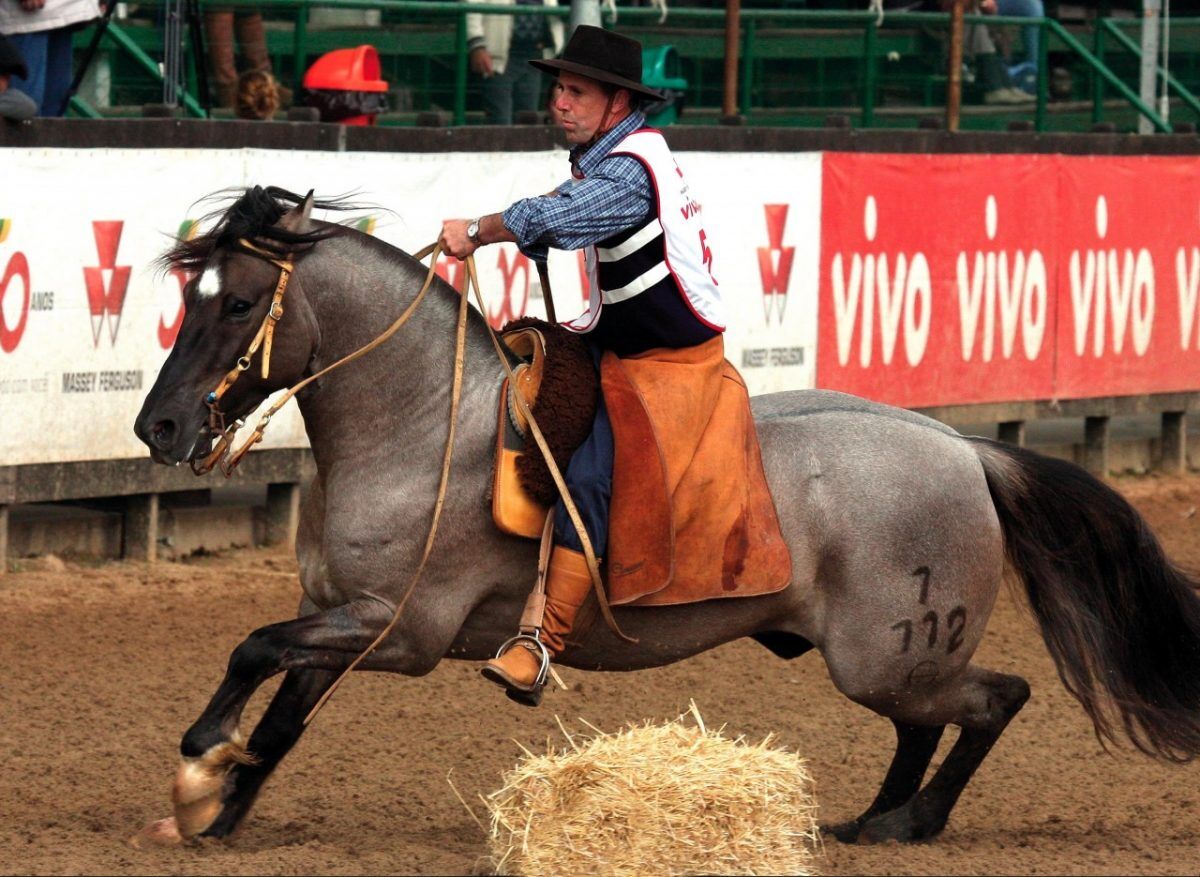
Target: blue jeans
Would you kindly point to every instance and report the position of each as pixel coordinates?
(1031, 34)
(589, 478)
(47, 54)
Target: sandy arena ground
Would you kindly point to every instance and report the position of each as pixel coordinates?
(104, 666)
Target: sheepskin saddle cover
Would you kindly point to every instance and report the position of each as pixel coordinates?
(558, 380)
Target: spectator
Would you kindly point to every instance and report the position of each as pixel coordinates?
(220, 25)
(13, 104)
(41, 31)
(1024, 74)
(257, 95)
(500, 46)
(991, 74)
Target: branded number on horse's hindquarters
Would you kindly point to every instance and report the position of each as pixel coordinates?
(953, 626)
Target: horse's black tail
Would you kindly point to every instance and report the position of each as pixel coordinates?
(1122, 622)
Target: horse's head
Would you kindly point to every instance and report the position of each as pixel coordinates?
(215, 371)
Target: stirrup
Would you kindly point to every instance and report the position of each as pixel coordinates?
(538, 646)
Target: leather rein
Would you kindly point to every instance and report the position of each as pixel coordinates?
(228, 459)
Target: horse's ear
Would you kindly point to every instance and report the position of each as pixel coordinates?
(297, 218)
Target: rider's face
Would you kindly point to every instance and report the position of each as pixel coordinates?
(579, 104)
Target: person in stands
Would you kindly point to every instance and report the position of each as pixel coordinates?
(42, 31)
(14, 105)
(500, 46)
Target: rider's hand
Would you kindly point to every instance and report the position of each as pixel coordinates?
(32, 5)
(454, 239)
(987, 7)
(481, 62)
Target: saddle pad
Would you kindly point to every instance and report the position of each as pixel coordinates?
(513, 509)
(558, 382)
(692, 516)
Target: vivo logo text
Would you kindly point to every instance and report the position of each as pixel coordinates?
(900, 290)
(1111, 287)
(996, 287)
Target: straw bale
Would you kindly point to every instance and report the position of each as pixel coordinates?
(674, 798)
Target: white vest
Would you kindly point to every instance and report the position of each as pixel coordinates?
(668, 255)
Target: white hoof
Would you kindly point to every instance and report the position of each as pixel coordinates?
(196, 793)
(160, 833)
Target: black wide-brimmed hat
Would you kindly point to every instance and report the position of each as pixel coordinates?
(605, 56)
(11, 62)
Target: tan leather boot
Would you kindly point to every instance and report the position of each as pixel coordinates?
(568, 583)
(218, 40)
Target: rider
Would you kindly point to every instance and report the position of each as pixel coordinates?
(628, 204)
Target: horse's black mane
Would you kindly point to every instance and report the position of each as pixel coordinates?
(252, 216)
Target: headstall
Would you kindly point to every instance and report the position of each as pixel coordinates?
(220, 454)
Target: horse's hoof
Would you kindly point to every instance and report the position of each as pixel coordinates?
(899, 825)
(160, 833)
(845, 832)
(200, 783)
(196, 795)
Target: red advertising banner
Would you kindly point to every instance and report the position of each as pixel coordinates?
(952, 280)
(1128, 276)
(937, 277)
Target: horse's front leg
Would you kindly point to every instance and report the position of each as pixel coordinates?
(273, 737)
(220, 774)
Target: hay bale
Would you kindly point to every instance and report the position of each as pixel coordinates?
(673, 798)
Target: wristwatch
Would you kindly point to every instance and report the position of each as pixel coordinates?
(473, 232)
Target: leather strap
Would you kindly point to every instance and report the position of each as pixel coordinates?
(535, 606)
(576, 520)
(444, 483)
(443, 486)
(225, 443)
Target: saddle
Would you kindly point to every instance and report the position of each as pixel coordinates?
(558, 381)
(692, 517)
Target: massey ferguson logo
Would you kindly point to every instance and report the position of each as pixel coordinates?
(107, 282)
(775, 263)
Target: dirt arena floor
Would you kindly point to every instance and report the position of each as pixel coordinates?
(104, 666)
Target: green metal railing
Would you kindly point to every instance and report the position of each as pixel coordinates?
(752, 22)
(1109, 28)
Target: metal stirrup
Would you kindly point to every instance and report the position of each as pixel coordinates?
(538, 646)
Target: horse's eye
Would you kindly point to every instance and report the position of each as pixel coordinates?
(237, 307)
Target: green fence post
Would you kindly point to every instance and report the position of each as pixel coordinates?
(748, 65)
(1043, 77)
(870, 75)
(1097, 79)
(460, 70)
(299, 48)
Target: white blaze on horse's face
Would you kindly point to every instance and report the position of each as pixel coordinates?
(209, 283)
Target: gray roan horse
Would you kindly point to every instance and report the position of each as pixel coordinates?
(899, 530)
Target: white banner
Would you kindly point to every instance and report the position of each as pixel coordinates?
(86, 320)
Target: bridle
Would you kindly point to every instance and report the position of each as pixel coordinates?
(223, 455)
(220, 453)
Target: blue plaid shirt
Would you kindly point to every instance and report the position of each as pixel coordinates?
(614, 195)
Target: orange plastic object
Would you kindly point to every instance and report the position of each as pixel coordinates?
(356, 69)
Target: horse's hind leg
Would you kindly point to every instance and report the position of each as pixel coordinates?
(915, 746)
(982, 703)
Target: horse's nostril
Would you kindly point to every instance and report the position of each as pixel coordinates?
(163, 433)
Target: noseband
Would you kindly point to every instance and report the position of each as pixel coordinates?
(219, 455)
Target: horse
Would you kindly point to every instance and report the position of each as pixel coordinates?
(900, 532)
